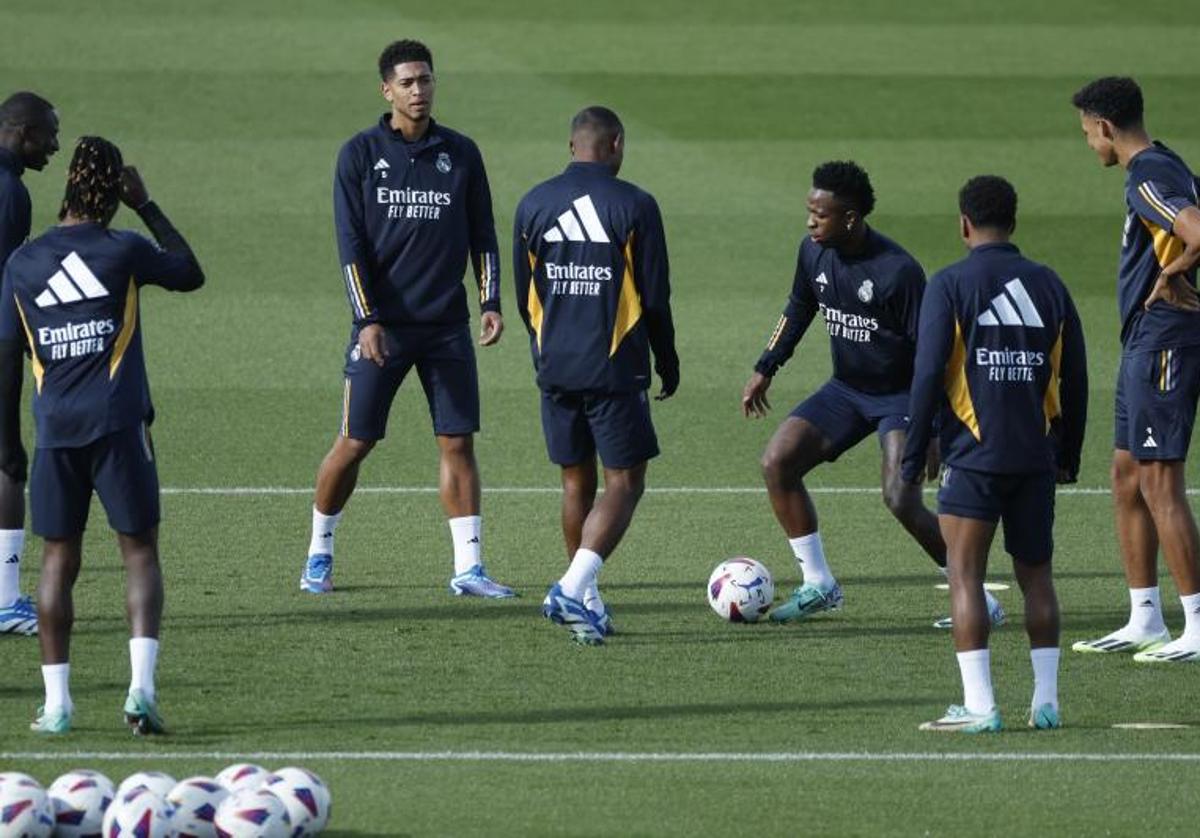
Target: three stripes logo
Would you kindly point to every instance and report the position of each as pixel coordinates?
(1012, 309)
(70, 285)
(382, 167)
(585, 227)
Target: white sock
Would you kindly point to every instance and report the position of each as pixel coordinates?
(591, 598)
(12, 544)
(323, 527)
(976, 669)
(810, 556)
(143, 658)
(58, 694)
(1145, 611)
(466, 533)
(581, 573)
(1191, 613)
(1045, 676)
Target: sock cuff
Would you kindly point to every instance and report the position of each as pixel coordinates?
(331, 516)
(1045, 652)
(465, 520)
(813, 537)
(590, 555)
(1141, 592)
(52, 668)
(150, 642)
(974, 655)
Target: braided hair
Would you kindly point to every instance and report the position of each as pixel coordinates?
(93, 181)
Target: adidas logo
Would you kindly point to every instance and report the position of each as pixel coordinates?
(569, 225)
(1003, 312)
(473, 540)
(1147, 604)
(13, 559)
(821, 280)
(381, 165)
(1149, 443)
(74, 282)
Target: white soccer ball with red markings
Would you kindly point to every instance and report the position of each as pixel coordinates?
(158, 782)
(741, 590)
(80, 799)
(306, 797)
(242, 776)
(25, 808)
(138, 813)
(253, 814)
(194, 804)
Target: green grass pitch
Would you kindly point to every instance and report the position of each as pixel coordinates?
(234, 112)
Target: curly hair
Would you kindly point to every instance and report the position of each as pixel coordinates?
(989, 201)
(848, 183)
(1115, 98)
(93, 180)
(402, 52)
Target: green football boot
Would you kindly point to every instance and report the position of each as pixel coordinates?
(141, 714)
(807, 600)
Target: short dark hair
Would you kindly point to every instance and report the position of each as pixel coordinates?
(848, 183)
(989, 201)
(93, 180)
(23, 110)
(599, 121)
(402, 52)
(1115, 98)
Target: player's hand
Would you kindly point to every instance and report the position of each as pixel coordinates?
(1065, 476)
(754, 396)
(133, 191)
(491, 326)
(1174, 290)
(933, 461)
(670, 383)
(371, 343)
(14, 462)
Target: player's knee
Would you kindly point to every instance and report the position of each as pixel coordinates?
(354, 450)
(1124, 476)
(898, 499)
(776, 464)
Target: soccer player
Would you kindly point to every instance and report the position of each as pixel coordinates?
(410, 202)
(28, 139)
(1158, 381)
(1001, 358)
(590, 261)
(71, 297)
(868, 290)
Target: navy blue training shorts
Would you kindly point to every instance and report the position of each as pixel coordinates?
(617, 426)
(846, 416)
(119, 467)
(1156, 403)
(1024, 503)
(445, 360)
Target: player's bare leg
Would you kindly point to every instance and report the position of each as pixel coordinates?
(967, 544)
(796, 447)
(143, 607)
(1137, 538)
(574, 601)
(459, 490)
(336, 479)
(579, 485)
(1042, 623)
(18, 614)
(61, 559)
(1162, 485)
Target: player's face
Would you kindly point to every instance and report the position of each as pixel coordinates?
(40, 142)
(829, 222)
(1098, 134)
(410, 90)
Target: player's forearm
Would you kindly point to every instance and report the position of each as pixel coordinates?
(172, 241)
(788, 331)
(921, 410)
(1185, 262)
(487, 277)
(11, 372)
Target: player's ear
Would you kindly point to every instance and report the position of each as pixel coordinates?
(1106, 129)
(964, 227)
(385, 90)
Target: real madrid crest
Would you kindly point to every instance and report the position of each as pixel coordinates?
(443, 163)
(866, 291)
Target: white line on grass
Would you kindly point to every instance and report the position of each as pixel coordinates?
(595, 756)
(554, 490)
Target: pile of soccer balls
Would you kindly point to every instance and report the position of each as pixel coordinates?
(243, 801)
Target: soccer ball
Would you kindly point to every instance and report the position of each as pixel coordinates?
(194, 803)
(25, 808)
(305, 796)
(80, 799)
(242, 776)
(139, 813)
(158, 782)
(741, 590)
(253, 814)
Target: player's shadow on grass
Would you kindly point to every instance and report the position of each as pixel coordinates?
(576, 715)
